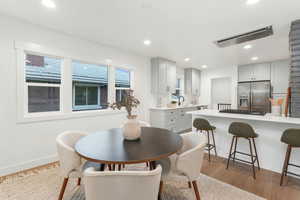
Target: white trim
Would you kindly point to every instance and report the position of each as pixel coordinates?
(42, 84)
(51, 116)
(27, 165)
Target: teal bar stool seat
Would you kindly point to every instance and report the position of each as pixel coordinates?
(203, 125)
(245, 131)
(291, 137)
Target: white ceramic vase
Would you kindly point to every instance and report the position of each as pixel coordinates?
(132, 129)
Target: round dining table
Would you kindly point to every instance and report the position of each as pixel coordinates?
(110, 148)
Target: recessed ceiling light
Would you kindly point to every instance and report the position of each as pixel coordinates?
(147, 42)
(254, 58)
(49, 3)
(204, 66)
(108, 61)
(248, 46)
(187, 59)
(251, 2)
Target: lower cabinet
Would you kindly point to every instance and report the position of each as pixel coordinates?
(175, 120)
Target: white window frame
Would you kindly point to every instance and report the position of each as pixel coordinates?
(26, 84)
(66, 85)
(85, 107)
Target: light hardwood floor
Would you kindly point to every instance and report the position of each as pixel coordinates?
(265, 185)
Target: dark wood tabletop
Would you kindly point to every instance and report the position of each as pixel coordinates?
(109, 147)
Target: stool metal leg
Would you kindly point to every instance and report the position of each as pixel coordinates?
(285, 165)
(213, 137)
(256, 153)
(208, 142)
(253, 166)
(230, 152)
(235, 145)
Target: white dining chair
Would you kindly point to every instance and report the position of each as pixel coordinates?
(187, 162)
(113, 185)
(71, 165)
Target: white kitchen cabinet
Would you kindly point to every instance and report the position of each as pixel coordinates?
(245, 73)
(280, 72)
(172, 119)
(163, 76)
(254, 72)
(261, 72)
(192, 82)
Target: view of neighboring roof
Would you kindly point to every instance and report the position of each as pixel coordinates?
(48, 69)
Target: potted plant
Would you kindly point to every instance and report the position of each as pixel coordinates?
(132, 127)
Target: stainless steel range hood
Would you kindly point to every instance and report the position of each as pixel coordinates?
(253, 35)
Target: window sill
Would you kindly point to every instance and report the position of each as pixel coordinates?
(52, 116)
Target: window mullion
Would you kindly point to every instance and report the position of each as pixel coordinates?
(66, 86)
(111, 84)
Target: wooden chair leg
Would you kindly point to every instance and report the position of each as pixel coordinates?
(286, 161)
(78, 181)
(213, 137)
(102, 167)
(252, 161)
(196, 190)
(63, 188)
(256, 153)
(229, 156)
(161, 184)
(190, 184)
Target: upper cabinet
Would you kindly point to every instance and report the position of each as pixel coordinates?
(280, 72)
(277, 72)
(254, 72)
(192, 81)
(163, 76)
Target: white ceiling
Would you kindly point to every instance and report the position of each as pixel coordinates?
(177, 28)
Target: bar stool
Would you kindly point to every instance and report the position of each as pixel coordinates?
(292, 138)
(203, 125)
(243, 130)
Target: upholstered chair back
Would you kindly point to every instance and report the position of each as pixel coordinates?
(190, 158)
(112, 185)
(69, 160)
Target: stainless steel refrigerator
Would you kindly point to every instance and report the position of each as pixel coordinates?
(254, 96)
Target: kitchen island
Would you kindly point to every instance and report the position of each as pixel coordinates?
(271, 151)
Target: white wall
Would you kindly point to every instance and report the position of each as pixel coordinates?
(25, 145)
(206, 78)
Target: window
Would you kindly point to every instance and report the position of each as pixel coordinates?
(178, 87)
(43, 80)
(90, 86)
(52, 84)
(122, 83)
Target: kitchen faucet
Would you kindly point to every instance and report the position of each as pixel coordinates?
(179, 100)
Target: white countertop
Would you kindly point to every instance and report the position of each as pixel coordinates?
(180, 107)
(267, 117)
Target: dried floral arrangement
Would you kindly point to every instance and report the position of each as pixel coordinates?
(129, 102)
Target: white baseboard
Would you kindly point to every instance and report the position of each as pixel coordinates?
(27, 165)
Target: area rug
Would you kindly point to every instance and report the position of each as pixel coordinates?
(44, 184)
